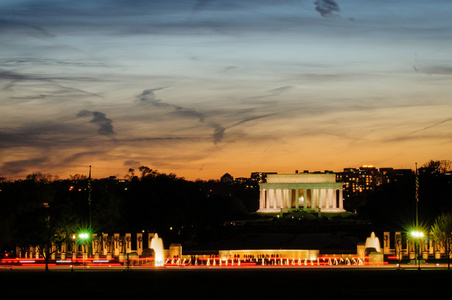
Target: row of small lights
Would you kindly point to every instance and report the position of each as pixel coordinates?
(417, 234)
(81, 236)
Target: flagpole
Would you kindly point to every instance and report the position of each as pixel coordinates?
(89, 195)
(417, 200)
(417, 221)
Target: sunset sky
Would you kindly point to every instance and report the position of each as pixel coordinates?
(201, 88)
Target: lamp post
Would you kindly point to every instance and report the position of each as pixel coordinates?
(74, 245)
(84, 237)
(417, 235)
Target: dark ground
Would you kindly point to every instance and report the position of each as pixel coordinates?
(244, 283)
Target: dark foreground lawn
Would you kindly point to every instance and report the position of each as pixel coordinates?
(227, 284)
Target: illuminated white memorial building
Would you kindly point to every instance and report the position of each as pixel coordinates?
(317, 192)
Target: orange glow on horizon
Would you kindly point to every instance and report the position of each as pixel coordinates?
(237, 168)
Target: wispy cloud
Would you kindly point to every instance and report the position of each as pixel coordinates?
(23, 29)
(326, 7)
(19, 166)
(29, 86)
(206, 118)
(280, 90)
(40, 135)
(99, 118)
(148, 96)
(430, 126)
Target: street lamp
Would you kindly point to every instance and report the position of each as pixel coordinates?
(417, 235)
(74, 245)
(84, 238)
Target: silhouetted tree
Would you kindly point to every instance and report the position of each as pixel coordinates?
(442, 233)
(131, 174)
(44, 220)
(46, 228)
(441, 166)
(77, 177)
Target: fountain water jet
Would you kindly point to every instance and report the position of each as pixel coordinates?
(157, 246)
(373, 242)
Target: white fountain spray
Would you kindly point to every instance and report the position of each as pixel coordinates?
(157, 246)
(373, 242)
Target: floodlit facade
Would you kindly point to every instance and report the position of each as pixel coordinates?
(316, 192)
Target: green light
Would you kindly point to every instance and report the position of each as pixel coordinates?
(83, 236)
(417, 234)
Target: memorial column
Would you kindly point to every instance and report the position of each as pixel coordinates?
(286, 203)
(280, 198)
(322, 198)
(128, 242)
(330, 198)
(139, 244)
(262, 199)
(297, 204)
(267, 199)
(335, 198)
(105, 244)
(319, 198)
(326, 197)
(313, 198)
(116, 244)
(273, 198)
(305, 197)
(290, 193)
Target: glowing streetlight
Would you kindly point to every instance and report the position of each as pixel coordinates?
(83, 236)
(417, 235)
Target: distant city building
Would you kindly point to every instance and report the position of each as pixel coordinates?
(314, 192)
(367, 178)
(227, 178)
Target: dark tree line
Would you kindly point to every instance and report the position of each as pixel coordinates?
(36, 212)
(392, 206)
(40, 207)
(179, 210)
